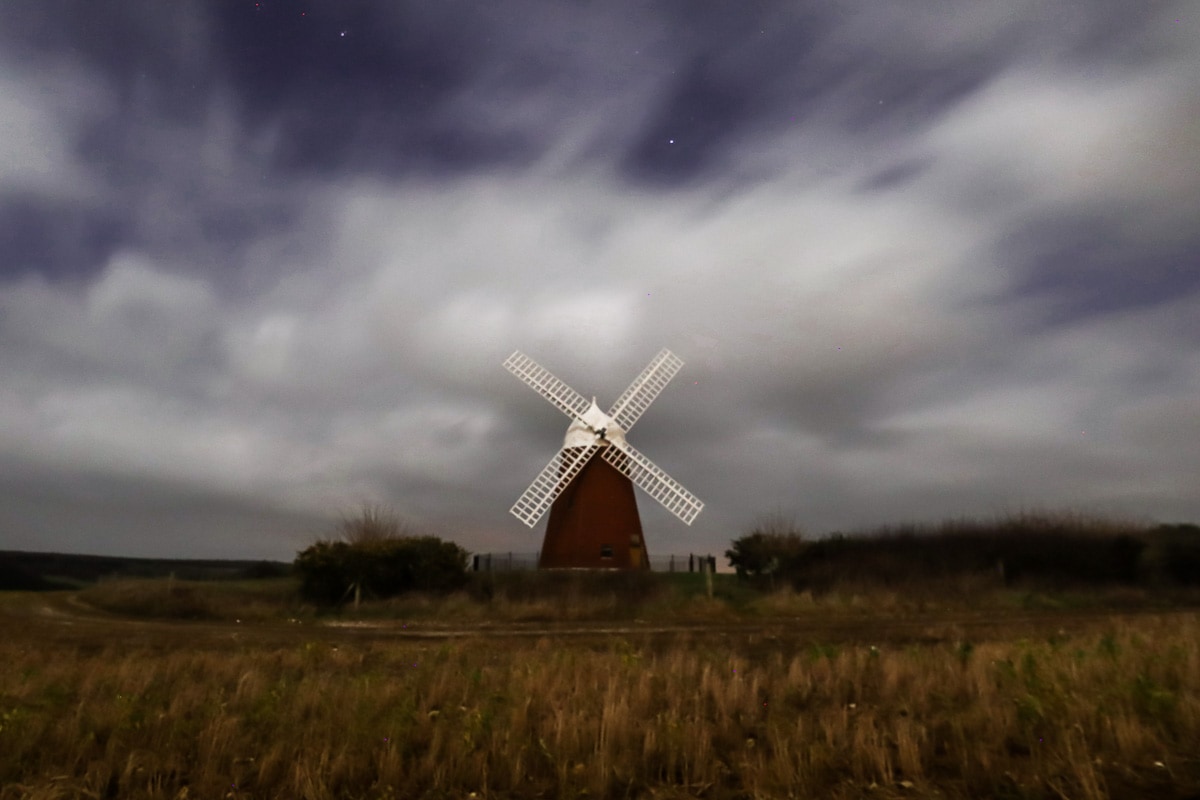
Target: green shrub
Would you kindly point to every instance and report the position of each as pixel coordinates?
(332, 572)
(773, 547)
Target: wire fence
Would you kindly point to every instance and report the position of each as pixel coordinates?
(521, 562)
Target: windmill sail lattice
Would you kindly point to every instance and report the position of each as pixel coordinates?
(656, 483)
(592, 430)
(647, 386)
(549, 484)
(564, 398)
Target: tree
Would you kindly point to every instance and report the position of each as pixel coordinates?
(372, 524)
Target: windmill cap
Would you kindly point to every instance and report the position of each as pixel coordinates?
(579, 434)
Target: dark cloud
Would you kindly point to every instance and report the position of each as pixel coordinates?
(906, 95)
(770, 73)
(102, 513)
(356, 87)
(351, 87)
(57, 238)
(701, 114)
(745, 78)
(1081, 267)
(149, 53)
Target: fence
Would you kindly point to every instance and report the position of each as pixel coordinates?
(689, 563)
(504, 562)
(520, 562)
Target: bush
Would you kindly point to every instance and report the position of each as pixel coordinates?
(378, 561)
(1040, 548)
(774, 546)
(1176, 553)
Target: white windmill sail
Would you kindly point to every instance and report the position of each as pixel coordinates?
(656, 483)
(647, 386)
(550, 482)
(564, 398)
(592, 430)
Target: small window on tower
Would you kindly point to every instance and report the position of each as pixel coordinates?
(606, 551)
(635, 540)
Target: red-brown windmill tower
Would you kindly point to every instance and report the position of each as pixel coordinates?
(594, 522)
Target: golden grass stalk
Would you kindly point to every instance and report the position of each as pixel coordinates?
(1077, 717)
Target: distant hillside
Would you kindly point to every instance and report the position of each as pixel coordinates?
(43, 571)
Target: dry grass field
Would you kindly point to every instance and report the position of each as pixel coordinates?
(787, 696)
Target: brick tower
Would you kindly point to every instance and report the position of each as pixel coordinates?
(594, 523)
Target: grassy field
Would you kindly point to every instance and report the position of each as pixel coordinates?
(1056, 697)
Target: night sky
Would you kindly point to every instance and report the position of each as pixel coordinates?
(260, 262)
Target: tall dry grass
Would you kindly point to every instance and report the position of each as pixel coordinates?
(500, 597)
(167, 598)
(1109, 715)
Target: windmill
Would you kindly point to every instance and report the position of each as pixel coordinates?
(594, 520)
